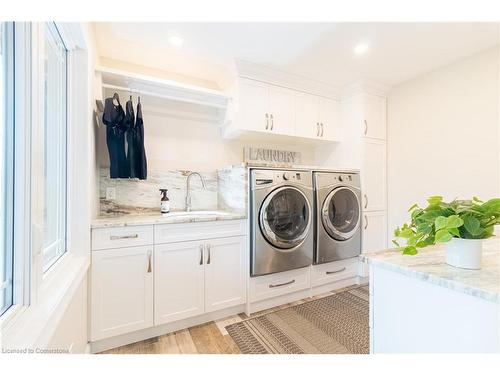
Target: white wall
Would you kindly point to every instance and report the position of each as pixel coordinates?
(443, 135)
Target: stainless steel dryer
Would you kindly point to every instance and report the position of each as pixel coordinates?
(337, 226)
(281, 220)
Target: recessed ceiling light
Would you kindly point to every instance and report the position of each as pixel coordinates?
(175, 41)
(361, 48)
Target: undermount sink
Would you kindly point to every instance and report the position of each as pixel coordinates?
(195, 213)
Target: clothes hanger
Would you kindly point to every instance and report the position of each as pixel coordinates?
(116, 99)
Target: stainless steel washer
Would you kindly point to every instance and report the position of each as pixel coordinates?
(281, 220)
(337, 229)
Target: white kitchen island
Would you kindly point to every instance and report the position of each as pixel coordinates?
(419, 304)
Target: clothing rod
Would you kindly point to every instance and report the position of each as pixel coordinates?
(169, 97)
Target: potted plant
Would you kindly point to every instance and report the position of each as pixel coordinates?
(461, 224)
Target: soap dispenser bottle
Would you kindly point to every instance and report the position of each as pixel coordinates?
(164, 202)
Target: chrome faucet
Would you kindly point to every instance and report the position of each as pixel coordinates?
(188, 194)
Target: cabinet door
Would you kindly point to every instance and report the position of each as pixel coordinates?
(225, 273)
(374, 109)
(121, 291)
(329, 117)
(253, 105)
(282, 110)
(374, 231)
(307, 115)
(373, 179)
(179, 281)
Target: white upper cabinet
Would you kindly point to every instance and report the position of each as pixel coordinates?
(273, 109)
(281, 110)
(373, 175)
(307, 115)
(253, 109)
(122, 291)
(317, 117)
(374, 116)
(329, 119)
(225, 273)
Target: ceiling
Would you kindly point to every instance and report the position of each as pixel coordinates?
(320, 51)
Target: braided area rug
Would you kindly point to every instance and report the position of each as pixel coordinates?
(334, 324)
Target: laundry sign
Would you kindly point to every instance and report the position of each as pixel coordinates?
(271, 156)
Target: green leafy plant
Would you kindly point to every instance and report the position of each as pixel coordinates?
(441, 221)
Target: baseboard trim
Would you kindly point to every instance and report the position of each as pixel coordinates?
(144, 334)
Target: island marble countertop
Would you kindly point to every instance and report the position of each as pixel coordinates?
(429, 265)
(158, 218)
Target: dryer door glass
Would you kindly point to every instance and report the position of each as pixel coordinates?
(285, 217)
(341, 213)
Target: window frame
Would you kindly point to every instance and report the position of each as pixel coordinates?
(40, 298)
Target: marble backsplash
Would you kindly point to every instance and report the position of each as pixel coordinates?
(226, 189)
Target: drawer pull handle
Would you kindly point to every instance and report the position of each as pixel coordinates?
(322, 130)
(366, 126)
(366, 201)
(337, 271)
(267, 121)
(208, 249)
(129, 236)
(283, 284)
(317, 128)
(272, 122)
(149, 261)
(201, 255)
(366, 221)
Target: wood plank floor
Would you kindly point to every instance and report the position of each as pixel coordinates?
(206, 338)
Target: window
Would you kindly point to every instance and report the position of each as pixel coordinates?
(6, 167)
(54, 146)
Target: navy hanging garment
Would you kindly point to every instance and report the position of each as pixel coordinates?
(113, 118)
(131, 138)
(140, 165)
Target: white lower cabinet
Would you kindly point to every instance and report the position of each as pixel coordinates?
(179, 281)
(138, 287)
(225, 275)
(374, 235)
(122, 291)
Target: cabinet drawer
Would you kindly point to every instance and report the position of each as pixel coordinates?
(166, 233)
(334, 271)
(110, 238)
(264, 287)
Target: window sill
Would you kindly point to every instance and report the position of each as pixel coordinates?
(33, 326)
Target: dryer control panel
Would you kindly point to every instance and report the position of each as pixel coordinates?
(282, 177)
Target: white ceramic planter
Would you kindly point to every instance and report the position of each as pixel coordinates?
(464, 253)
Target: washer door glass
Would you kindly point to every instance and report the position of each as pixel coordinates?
(341, 213)
(285, 217)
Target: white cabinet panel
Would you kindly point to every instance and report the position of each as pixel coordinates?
(166, 233)
(329, 118)
(282, 110)
(225, 273)
(122, 291)
(374, 116)
(114, 237)
(334, 271)
(373, 175)
(179, 281)
(307, 115)
(253, 105)
(374, 235)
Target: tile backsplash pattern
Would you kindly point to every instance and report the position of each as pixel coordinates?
(226, 189)
(135, 196)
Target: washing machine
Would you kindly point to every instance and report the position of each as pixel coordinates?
(281, 220)
(337, 224)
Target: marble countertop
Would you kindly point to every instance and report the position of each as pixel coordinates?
(429, 265)
(158, 218)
